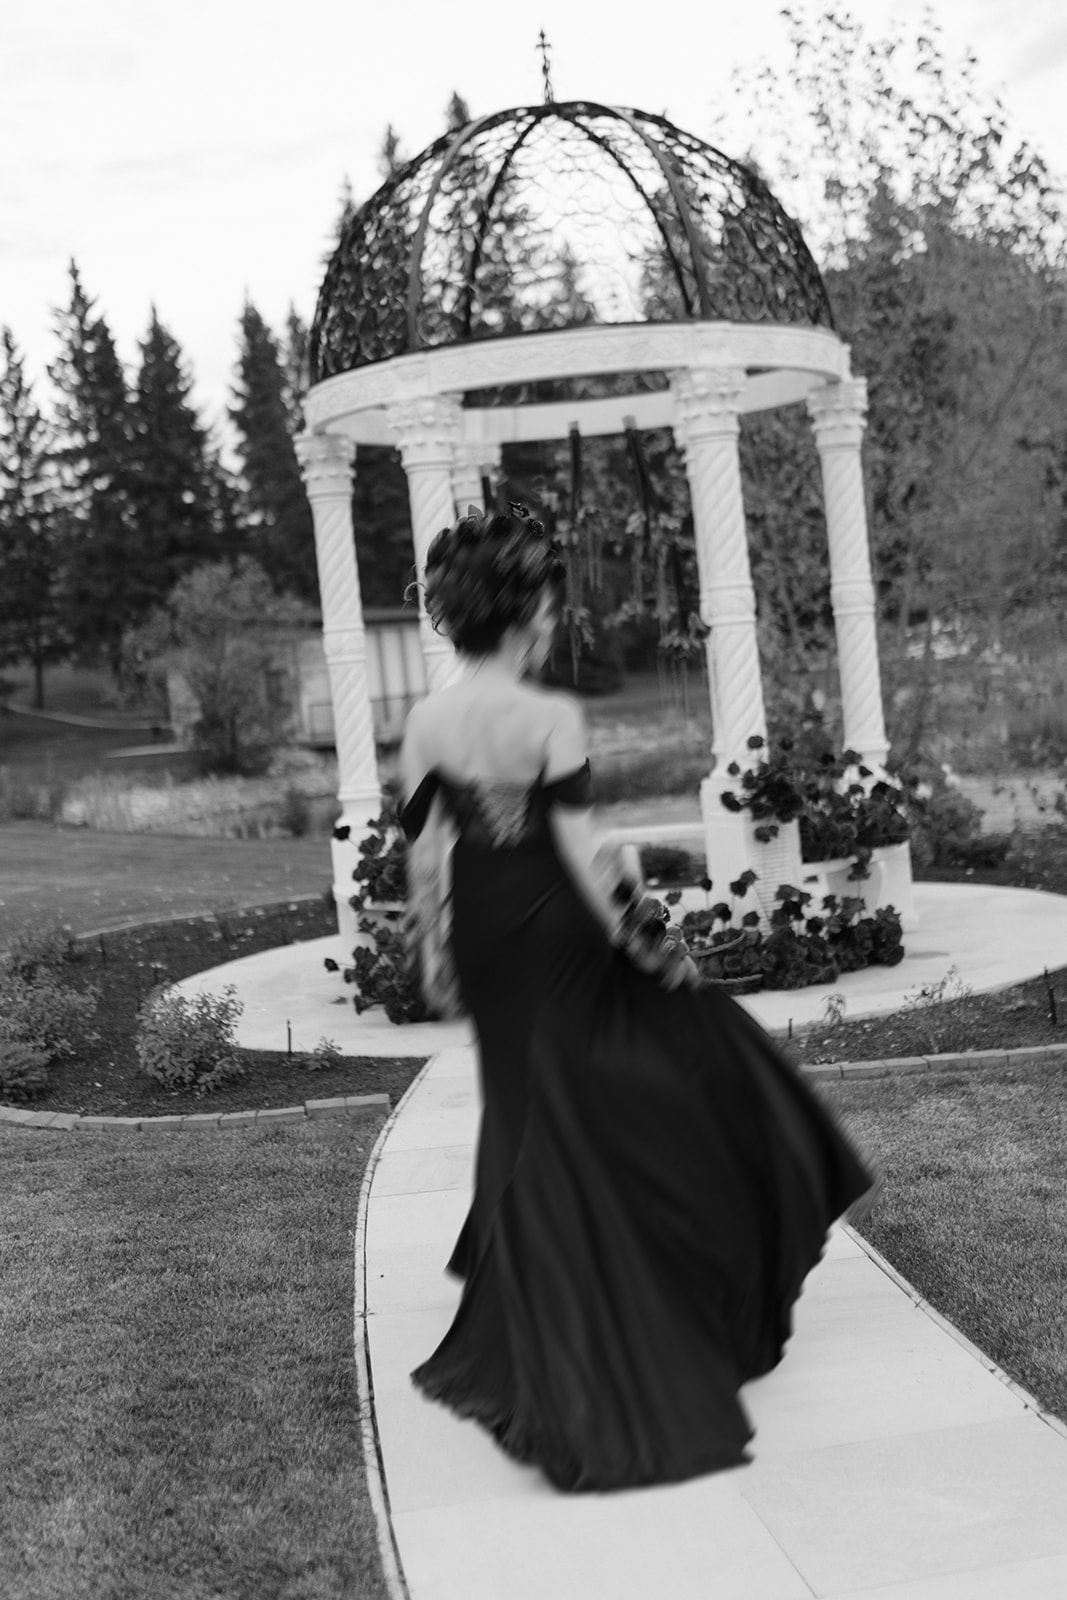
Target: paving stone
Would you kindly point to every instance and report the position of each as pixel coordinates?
(64, 1119)
(162, 1124)
(201, 1121)
(1036, 1055)
(864, 1069)
(108, 1122)
(358, 1104)
(985, 1058)
(822, 1069)
(951, 1062)
(15, 1115)
(237, 1119)
(40, 1119)
(907, 1064)
(325, 1108)
(284, 1114)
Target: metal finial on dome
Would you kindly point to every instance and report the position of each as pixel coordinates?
(546, 50)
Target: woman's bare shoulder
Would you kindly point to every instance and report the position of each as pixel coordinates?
(556, 704)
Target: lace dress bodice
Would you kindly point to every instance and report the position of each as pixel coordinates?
(496, 813)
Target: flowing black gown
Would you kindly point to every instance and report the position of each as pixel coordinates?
(653, 1180)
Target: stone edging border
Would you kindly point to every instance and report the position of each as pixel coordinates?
(374, 1462)
(352, 1105)
(967, 1061)
(368, 1104)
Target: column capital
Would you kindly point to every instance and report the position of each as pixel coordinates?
(427, 429)
(706, 401)
(326, 462)
(838, 412)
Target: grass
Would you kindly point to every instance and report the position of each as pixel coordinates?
(975, 1208)
(180, 1416)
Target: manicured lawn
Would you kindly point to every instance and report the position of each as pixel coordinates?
(180, 1418)
(975, 1208)
(96, 880)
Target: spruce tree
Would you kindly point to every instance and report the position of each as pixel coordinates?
(174, 494)
(297, 373)
(108, 583)
(280, 530)
(30, 628)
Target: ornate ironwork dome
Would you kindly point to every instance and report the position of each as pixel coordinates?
(555, 216)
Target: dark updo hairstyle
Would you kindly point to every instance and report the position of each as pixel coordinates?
(486, 574)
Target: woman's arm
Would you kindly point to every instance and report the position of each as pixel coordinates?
(413, 763)
(573, 830)
(581, 850)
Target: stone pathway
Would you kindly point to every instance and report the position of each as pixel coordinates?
(891, 1461)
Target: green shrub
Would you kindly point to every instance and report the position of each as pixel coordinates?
(24, 799)
(294, 813)
(41, 1021)
(946, 827)
(23, 1069)
(189, 1042)
(39, 946)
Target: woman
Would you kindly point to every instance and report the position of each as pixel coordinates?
(653, 1181)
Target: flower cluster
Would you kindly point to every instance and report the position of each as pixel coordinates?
(840, 811)
(799, 948)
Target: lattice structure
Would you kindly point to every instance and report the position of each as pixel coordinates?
(556, 216)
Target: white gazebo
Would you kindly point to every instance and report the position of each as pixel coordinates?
(469, 303)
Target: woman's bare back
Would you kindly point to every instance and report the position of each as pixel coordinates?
(493, 728)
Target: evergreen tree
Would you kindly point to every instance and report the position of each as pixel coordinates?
(297, 374)
(174, 494)
(108, 583)
(29, 603)
(280, 530)
(390, 156)
(457, 113)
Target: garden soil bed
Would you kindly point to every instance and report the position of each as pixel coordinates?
(124, 966)
(1008, 1019)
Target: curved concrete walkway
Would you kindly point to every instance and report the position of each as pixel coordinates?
(993, 937)
(892, 1461)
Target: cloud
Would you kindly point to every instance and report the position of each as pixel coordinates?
(1041, 54)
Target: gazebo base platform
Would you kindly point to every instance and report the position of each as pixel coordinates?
(992, 937)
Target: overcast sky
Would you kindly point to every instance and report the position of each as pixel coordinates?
(185, 153)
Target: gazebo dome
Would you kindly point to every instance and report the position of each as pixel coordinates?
(555, 216)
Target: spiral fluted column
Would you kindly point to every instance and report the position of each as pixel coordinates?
(838, 415)
(469, 463)
(326, 460)
(427, 429)
(706, 427)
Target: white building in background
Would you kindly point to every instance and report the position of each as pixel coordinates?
(299, 679)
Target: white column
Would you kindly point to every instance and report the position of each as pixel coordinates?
(472, 460)
(427, 430)
(838, 415)
(326, 460)
(706, 426)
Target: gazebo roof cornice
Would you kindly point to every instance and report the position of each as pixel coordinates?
(781, 364)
